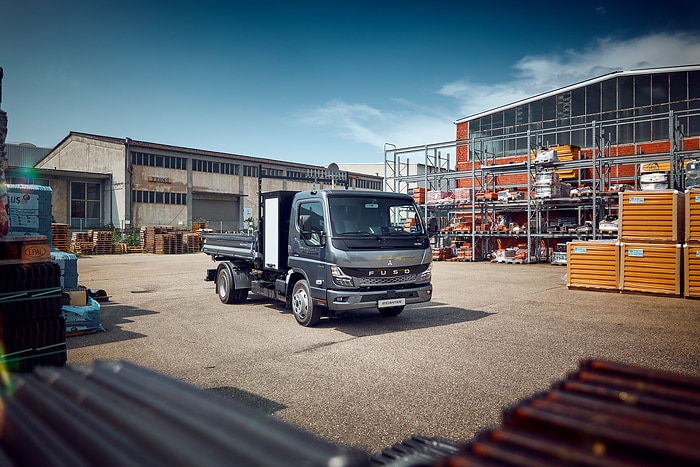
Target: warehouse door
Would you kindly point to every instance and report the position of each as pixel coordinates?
(220, 211)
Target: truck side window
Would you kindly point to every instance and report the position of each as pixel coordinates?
(314, 209)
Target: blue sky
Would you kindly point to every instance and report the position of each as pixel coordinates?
(309, 81)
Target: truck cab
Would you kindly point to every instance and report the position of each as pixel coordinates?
(351, 250)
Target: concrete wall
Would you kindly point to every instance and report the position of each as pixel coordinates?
(81, 154)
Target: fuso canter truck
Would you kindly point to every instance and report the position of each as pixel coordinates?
(327, 251)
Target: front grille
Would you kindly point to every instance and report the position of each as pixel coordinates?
(374, 281)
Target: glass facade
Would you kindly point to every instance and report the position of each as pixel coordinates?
(631, 109)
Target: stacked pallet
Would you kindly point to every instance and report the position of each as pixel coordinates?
(148, 236)
(198, 226)
(81, 243)
(193, 241)
(59, 234)
(171, 243)
(103, 241)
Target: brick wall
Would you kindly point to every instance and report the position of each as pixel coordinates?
(623, 173)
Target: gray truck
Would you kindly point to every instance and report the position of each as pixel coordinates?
(327, 251)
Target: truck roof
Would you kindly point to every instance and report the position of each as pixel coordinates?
(358, 193)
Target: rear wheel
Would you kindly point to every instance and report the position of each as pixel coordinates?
(303, 307)
(224, 286)
(391, 311)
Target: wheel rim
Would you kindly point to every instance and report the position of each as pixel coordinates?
(223, 285)
(300, 304)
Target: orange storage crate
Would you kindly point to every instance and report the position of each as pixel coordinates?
(651, 216)
(691, 256)
(593, 265)
(651, 268)
(692, 216)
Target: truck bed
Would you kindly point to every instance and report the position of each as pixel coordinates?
(229, 246)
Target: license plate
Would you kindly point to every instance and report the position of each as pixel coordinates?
(391, 302)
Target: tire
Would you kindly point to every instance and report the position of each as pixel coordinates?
(391, 311)
(240, 295)
(303, 307)
(224, 286)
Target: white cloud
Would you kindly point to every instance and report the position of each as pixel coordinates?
(416, 125)
(541, 73)
(365, 124)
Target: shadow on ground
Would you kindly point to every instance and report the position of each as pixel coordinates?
(112, 316)
(369, 322)
(248, 398)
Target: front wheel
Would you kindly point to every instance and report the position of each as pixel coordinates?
(303, 307)
(391, 311)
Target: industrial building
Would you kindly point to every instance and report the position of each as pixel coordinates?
(652, 115)
(101, 180)
(536, 173)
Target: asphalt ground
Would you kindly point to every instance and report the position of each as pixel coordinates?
(493, 335)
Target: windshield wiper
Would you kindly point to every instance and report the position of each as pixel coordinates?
(362, 233)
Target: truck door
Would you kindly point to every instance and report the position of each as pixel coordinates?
(308, 252)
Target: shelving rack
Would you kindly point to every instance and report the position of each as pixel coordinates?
(594, 170)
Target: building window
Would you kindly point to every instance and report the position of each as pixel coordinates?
(199, 165)
(85, 204)
(250, 171)
(158, 197)
(157, 160)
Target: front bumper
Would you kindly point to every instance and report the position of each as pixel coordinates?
(340, 300)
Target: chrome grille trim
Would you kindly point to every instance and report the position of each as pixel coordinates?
(369, 281)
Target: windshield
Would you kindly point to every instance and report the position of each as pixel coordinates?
(373, 216)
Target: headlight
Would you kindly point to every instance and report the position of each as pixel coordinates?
(339, 277)
(426, 275)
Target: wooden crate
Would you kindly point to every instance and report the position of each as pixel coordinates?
(691, 268)
(593, 265)
(692, 216)
(651, 216)
(651, 268)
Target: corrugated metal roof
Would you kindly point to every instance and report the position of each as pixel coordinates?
(24, 154)
(614, 74)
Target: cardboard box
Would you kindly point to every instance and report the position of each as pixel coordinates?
(78, 297)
